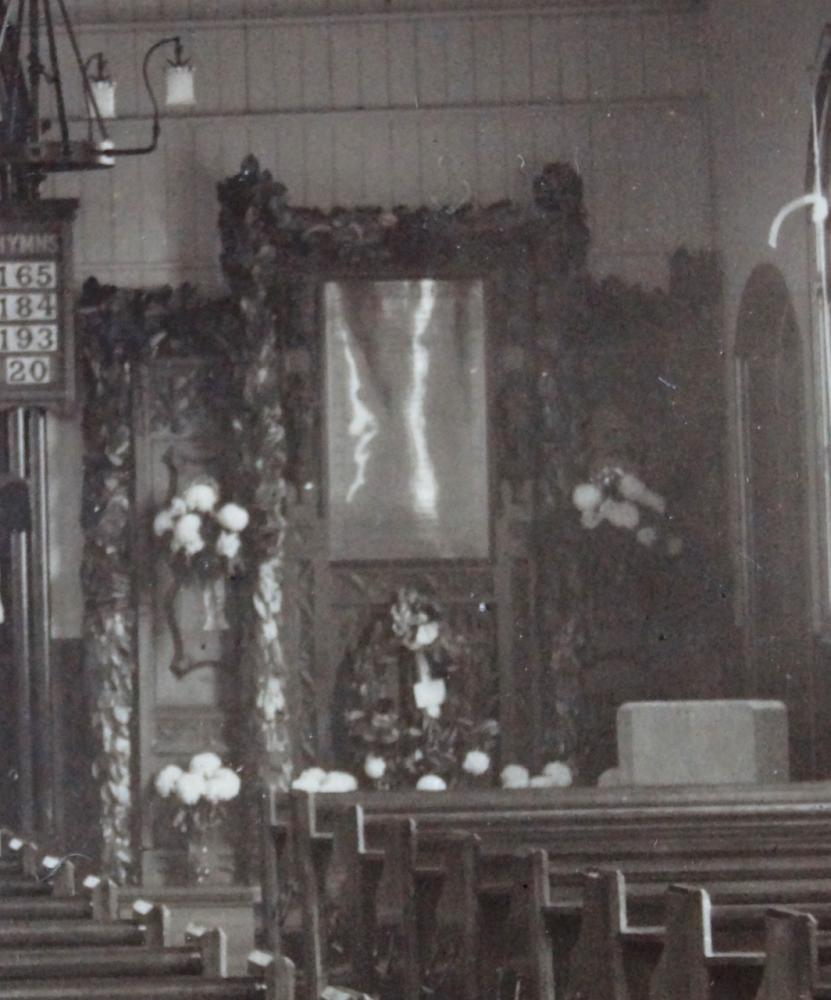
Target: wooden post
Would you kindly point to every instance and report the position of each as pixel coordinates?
(214, 947)
(21, 644)
(48, 815)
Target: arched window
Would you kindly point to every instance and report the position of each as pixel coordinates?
(770, 383)
(818, 180)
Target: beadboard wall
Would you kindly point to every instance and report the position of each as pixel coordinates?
(430, 107)
(387, 109)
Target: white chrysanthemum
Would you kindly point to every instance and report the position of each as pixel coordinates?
(339, 781)
(476, 762)
(201, 496)
(431, 783)
(674, 546)
(655, 501)
(222, 786)
(206, 764)
(271, 699)
(228, 544)
(632, 488)
(647, 536)
(586, 496)
(375, 767)
(541, 781)
(163, 522)
(514, 776)
(232, 517)
(559, 773)
(190, 787)
(194, 547)
(178, 507)
(310, 780)
(188, 530)
(591, 518)
(166, 780)
(620, 513)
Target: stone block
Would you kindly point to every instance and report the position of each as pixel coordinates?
(702, 742)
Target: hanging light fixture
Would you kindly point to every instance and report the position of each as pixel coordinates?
(30, 69)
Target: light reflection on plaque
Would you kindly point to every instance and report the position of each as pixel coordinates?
(406, 419)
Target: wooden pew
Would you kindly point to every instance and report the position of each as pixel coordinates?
(202, 954)
(792, 968)
(723, 861)
(690, 966)
(423, 918)
(700, 951)
(778, 836)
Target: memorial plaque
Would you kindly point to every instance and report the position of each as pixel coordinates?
(37, 351)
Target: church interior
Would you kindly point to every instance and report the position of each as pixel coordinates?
(415, 499)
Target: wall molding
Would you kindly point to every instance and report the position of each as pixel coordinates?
(103, 15)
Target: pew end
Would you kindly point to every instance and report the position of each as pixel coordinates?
(791, 966)
(154, 919)
(60, 872)
(278, 973)
(103, 895)
(213, 944)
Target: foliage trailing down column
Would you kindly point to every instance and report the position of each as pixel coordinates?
(560, 337)
(250, 266)
(108, 332)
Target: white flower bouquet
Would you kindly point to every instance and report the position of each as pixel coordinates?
(200, 793)
(203, 537)
(623, 500)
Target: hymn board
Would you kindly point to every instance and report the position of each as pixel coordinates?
(37, 353)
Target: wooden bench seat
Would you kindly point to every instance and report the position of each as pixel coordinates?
(143, 988)
(100, 960)
(23, 885)
(69, 933)
(23, 908)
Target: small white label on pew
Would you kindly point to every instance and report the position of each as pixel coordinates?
(92, 882)
(262, 959)
(142, 907)
(50, 862)
(15, 843)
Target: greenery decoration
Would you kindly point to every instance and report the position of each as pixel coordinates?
(411, 701)
(117, 329)
(250, 265)
(108, 333)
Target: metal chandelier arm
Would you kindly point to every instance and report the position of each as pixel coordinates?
(176, 41)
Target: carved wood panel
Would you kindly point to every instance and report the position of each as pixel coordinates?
(188, 688)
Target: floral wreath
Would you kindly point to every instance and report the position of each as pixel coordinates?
(412, 691)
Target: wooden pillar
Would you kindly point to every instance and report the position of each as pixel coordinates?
(21, 644)
(31, 630)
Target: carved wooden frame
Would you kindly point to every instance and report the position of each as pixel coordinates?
(276, 256)
(118, 331)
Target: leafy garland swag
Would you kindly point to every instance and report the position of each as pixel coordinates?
(106, 351)
(261, 438)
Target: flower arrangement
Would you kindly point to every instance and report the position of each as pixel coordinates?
(413, 702)
(316, 779)
(203, 536)
(200, 793)
(555, 774)
(623, 500)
